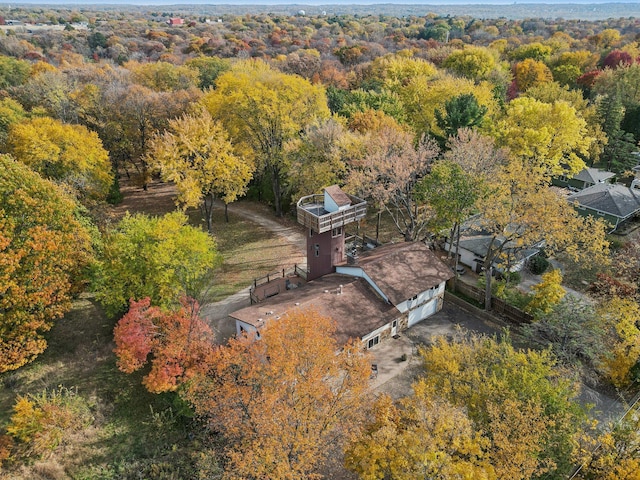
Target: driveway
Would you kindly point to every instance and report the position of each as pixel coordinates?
(395, 376)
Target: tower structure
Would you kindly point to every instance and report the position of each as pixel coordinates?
(325, 217)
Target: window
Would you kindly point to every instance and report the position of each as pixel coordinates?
(373, 341)
(311, 232)
(336, 232)
(316, 247)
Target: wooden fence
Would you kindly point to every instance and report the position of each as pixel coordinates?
(509, 312)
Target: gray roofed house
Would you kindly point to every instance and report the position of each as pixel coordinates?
(584, 179)
(473, 249)
(613, 202)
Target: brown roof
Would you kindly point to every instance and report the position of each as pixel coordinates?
(338, 195)
(403, 270)
(357, 310)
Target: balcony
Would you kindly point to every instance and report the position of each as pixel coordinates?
(312, 214)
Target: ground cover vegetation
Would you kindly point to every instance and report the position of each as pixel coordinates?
(108, 368)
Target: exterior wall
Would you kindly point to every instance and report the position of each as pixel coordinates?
(319, 254)
(467, 257)
(355, 271)
(244, 327)
(331, 206)
(324, 252)
(421, 298)
(610, 219)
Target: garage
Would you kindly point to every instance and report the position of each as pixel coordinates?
(422, 312)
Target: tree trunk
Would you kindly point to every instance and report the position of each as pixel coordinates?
(207, 211)
(379, 216)
(226, 212)
(487, 288)
(277, 194)
(456, 235)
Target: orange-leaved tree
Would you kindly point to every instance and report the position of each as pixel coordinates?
(176, 343)
(43, 251)
(284, 401)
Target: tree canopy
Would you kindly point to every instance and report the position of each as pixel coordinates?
(44, 249)
(162, 258)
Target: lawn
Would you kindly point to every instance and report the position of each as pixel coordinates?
(249, 251)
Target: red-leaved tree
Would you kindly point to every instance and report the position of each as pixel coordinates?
(176, 343)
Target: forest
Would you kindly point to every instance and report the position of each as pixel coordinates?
(109, 369)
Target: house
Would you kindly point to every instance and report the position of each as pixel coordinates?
(473, 248)
(176, 21)
(613, 202)
(371, 296)
(385, 291)
(584, 179)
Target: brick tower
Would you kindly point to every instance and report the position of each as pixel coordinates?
(325, 217)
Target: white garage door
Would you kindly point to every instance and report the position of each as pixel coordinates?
(422, 312)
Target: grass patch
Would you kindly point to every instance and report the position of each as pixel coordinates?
(132, 430)
(249, 251)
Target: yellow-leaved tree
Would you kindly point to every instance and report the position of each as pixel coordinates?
(69, 154)
(422, 437)
(551, 138)
(196, 154)
(423, 96)
(623, 365)
(523, 212)
(263, 109)
(546, 294)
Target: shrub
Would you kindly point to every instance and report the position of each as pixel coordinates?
(41, 422)
(538, 265)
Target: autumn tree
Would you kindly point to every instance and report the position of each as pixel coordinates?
(621, 316)
(422, 97)
(614, 454)
(44, 248)
(13, 72)
(530, 73)
(138, 114)
(10, 112)
(471, 62)
(286, 401)
(547, 294)
(263, 109)
(522, 212)
(162, 258)
(196, 155)
(320, 156)
(502, 389)
(421, 437)
(551, 138)
(177, 343)
(69, 154)
(475, 153)
(388, 174)
(209, 69)
(163, 76)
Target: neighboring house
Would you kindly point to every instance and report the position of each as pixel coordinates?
(176, 21)
(371, 296)
(584, 179)
(386, 291)
(474, 246)
(613, 202)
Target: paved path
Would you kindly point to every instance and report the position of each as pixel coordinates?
(218, 313)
